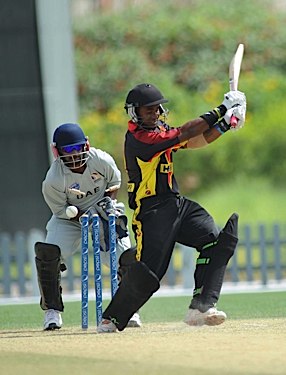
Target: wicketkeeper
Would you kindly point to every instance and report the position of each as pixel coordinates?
(162, 216)
(80, 176)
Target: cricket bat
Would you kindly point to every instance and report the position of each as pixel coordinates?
(234, 71)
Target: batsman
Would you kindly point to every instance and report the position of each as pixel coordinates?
(162, 217)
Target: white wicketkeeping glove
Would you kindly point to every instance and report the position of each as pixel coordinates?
(106, 206)
(234, 98)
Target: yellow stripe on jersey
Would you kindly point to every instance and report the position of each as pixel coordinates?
(139, 233)
(146, 188)
(147, 185)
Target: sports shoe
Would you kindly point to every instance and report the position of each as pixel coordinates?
(134, 321)
(106, 326)
(52, 320)
(212, 317)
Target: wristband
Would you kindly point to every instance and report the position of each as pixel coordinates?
(222, 126)
(213, 116)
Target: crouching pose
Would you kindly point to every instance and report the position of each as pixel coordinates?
(162, 216)
(82, 177)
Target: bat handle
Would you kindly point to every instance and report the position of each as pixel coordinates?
(233, 121)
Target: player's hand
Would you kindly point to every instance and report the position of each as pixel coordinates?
(119, 207)
(107, 206)
(225, 123)
(234, 98)
(239, 112)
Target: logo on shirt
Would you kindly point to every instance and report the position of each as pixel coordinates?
(75, 186)
(166, 168)
(130, 187)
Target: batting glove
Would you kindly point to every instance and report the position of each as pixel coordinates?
(234, 98)
(225, 123)
(239, 112)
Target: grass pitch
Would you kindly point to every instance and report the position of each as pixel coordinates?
(251, 341)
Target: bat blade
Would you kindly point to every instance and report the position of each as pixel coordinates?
(234, 67)
(234, 72)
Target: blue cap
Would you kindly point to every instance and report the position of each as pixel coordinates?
(68, 135)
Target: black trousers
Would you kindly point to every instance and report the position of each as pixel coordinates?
(161, 222)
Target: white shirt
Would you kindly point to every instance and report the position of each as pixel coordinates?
(100, 174)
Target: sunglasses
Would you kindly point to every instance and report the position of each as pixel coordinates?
(69, 149)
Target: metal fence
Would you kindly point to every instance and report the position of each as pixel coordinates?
(260, 257)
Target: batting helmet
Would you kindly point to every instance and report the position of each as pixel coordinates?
(67, 139)
(68, 135)
(143, 95)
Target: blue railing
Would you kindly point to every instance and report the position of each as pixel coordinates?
(260, 256)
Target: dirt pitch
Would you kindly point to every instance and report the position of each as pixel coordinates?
(236, 347)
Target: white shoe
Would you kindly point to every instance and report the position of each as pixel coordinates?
(52, 320)
(106, 326)
(212, 317)
(134, 321)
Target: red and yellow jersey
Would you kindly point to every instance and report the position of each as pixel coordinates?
(149, 161)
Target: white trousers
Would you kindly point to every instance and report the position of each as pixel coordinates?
(67, 235)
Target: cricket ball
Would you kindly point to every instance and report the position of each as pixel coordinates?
(71, 211)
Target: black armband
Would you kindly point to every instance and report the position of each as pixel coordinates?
(213, 116)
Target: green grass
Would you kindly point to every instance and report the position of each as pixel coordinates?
(163, 309)
(250, 342)
(255, 200)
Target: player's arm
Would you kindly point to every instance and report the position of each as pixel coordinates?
(57, 202)
(55, 199)
(192, 129)
(111, 173)
(204, 139)
(207, 137)
(112, 191)
(205, 123)
(219, 128)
